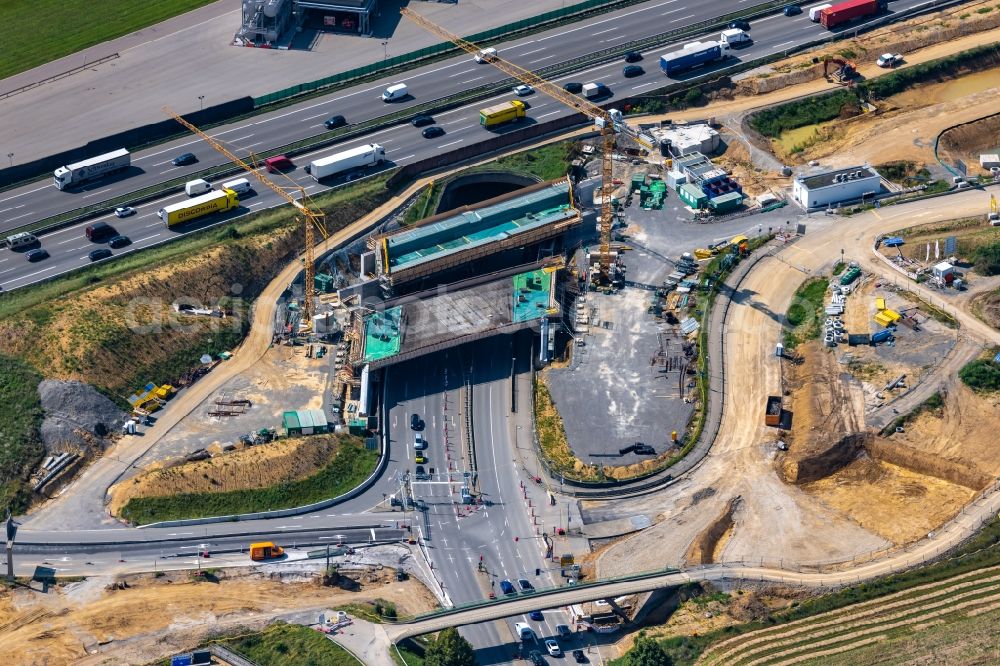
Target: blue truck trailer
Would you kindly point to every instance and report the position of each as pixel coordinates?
(689, 56)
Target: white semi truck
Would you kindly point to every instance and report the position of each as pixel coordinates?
(95, 167)
(355, 158)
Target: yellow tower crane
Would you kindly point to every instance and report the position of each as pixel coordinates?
(312, 218)
(609, 123)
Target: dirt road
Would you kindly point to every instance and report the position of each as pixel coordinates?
(776, 521)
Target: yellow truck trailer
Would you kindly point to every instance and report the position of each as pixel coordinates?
(498, 114)
(192, 209)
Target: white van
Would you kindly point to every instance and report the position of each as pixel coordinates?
(734, 38)
(394, 92)
(814, 12)
(486, 55)
(240, 185)
(523, 631)
(197, 186)
(21, 239)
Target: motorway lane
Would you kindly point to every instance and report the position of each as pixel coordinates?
(403, 143)
(41, 199)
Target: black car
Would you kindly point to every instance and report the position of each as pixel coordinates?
(36, 255)
(431, 132)
(97, 255)
(633, 56)
(119, 241)
(333, 122)
(740, 25)
(185, 159)
(422, 120)
(415, 421)
(792, 10)
(525, 585)
(579, 656)
(536, 658)
(632, 71)
(573, 87)
(644, 449)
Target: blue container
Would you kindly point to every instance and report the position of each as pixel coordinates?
(881, 336)
(693, 55)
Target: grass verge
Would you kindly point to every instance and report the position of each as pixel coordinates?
(376, 611)
(352, 465)
(40, 31)
(805, 313)
(20, 442)
(547, 162)
(410, 652)
(979, 552)
(282, 644)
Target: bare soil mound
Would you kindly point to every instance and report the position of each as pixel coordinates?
(76, 414)
(257, 467)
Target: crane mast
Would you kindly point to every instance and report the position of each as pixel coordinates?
(608, 123)
(312, 219)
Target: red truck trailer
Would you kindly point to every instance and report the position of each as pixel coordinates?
(848, 11)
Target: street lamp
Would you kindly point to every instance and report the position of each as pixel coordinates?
(10, 156)
(201, 102)
(385, 50)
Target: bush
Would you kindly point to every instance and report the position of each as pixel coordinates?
(987, 259)
(981, 375)
(20, 419)
(772, 122)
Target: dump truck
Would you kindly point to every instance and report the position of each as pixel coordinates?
(843, 12)
(192, 209)
(772, 412)
(265, 550)
(95, 167)
(693, 54)
(498, 114)
(367, 155)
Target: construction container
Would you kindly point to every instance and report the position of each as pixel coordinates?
(675, 179)
(725, 203)
(772, 412)
(881, 336)
(850, 276)
(692, 195)
(638, 180)
(880, 304)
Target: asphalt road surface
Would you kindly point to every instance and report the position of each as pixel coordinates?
(69, 248)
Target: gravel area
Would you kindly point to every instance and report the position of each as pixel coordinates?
(76, 414)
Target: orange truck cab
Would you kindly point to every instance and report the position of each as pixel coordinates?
(265, 551)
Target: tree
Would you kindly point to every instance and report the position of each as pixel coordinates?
(647, 652)
(450, 649)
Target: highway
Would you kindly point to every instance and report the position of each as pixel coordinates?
(455, 536)
(69, 248)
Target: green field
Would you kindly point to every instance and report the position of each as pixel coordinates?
(40, 31)
(352, 465)
(285, 644)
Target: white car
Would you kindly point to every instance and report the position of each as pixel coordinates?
(523, 90)
(889, 59)
(553, 648)
(124, 211)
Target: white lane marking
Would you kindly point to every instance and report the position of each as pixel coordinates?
(68, 240)
(604, 31)
(403, 158)
(535, 51)
(778, 46)
(462, 83)
(617, 17)
(94, 194)
(532, 62)
(645, 85)
(11, 219)
(148, 238)
(23, 193)
(682, 18)
(445, 145)
(545, 115)
(4, 210)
